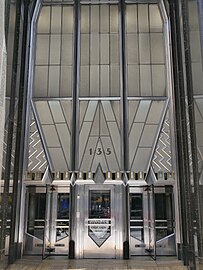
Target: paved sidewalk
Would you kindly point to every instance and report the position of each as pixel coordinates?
(61, 263)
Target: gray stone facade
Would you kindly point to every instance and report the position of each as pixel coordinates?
(2, 79)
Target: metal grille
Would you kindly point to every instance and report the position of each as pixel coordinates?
(162, 156)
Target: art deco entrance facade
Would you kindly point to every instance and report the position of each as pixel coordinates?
(101, 176)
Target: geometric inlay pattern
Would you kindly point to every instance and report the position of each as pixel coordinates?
(36, 159)
(99, 137)
(162, 155)
(145, 117)
(54, 117)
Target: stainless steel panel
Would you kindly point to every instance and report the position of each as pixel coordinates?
(134, 138)
(141, 160)
(104, 49)
(156, 24)
(104, 18)
(116, 138)
(132, 49)
(55, 46)
(84, 81)
(142, 111)
(58, 159)
(199, 131)
(94, 48)
(195, 46)
(159, 80)
(42, 51)
(114, 49)
(115, 80)
(56, 111)
(131, 18)
(56, 19)
(113, 19)
(157, 48)
(53, 88)
(67, 50)
(99, 158)
(133, 80)
(90, 231)
(197, 75)
(65, 139)
(155, 112)
(85, 49)
(88, 157)
(67, 23)
(145, 80)
(44, 112)
(89, 116)
(94, 12)
(143, 18)
(84, 134)
(144, 49)
(111, 159)
(43, 25)
(51, 136)
(40, 81)
(66, 81)
(148, 136)
(94, 80)
(104, 78)
(132, 110)
(67, 110)
(84, 22)
(108, 111)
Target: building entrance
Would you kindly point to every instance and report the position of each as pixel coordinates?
(152, 224)
(47, 220)
(99, 221)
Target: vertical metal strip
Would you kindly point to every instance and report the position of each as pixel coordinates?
(20, 134)
(200, 13)
(182, 137)
(124, 122)
(75, 121)
(10, 125)
(196, 202)
(76, 70)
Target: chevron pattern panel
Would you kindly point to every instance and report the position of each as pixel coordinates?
(55, 119)
(36, 158)
(5, 147)
(99, 139)
(145, 118)
(162, 156)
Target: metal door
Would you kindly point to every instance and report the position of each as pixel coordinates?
(99, 221)
(47, 221)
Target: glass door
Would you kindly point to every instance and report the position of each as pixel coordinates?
(47, 225)
(142, 223)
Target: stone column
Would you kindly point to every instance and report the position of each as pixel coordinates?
(2, 80)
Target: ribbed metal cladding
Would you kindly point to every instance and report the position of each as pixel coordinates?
(195, 203)
(188, 255)
(10, 124)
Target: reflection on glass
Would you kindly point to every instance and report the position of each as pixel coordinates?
(136, 216)
(99, 204)
(163, 215)
(136, 209)
(36, 214)
(62, 224)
